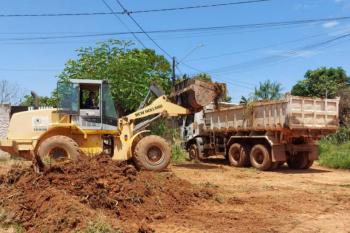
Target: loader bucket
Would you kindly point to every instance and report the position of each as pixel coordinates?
(195, 94)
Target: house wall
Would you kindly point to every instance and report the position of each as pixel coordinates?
(4, 119)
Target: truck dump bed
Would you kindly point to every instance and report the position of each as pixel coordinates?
(293, 113)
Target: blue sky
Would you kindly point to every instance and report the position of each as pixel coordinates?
(242, 58)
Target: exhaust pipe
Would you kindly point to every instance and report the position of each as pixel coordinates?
(36, 99)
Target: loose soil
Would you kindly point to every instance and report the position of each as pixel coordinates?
(190, 197)
(68, 196)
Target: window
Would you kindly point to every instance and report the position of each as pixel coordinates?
(110, 114)
(68, 96)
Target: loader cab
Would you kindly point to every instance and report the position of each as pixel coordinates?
(89, 103)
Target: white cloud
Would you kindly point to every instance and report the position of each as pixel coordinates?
(340, 31)
(294, 53)
(330, 24)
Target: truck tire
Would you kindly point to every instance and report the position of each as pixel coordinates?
(309, 164)
(193, 152)
(260, 157)
(57, 148)
(152, 153)
(238, 155)
(298, 161)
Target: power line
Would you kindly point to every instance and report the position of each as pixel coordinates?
(257, 48)
(275, 58)
(200, 6)
(58, 14)
(237, 83)
(143, 31)
(132, 12)
(186, 30)
(124, 24)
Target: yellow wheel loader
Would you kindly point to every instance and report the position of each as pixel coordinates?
(87, 122)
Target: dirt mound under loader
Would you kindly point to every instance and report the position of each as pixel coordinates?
(69, 196)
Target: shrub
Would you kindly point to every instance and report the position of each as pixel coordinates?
(179, 154)
(335, 156)
(335, 149)
(99, 227)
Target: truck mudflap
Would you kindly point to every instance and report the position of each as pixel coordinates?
(278, 153)
(311, 149)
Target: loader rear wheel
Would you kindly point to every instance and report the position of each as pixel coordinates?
(298, 161)
(58, 148)
(260, 157)
(152, 153)
(238, 155)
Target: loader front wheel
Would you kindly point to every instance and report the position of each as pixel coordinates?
(57, 148)
(152, 153)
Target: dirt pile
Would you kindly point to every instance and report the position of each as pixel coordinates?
(69, 196)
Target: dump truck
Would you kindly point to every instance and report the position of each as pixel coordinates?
(263, 134)
(87, 122)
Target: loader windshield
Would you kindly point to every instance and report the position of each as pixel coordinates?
(68, 96)
(110, 114)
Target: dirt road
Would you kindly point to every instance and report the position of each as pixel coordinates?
(315, 200)
(244, 200)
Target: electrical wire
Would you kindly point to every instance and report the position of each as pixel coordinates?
(200, 6)
(186, 30)
(132, 12)
(143, 31)
(124, 24)
(276, 58)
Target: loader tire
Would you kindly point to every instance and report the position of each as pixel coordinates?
(58, 148)
(152, 153)
(298, 161)
(238, 155)
(260, 157)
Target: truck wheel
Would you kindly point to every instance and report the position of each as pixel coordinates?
(152, 153)
(58, 148)
(298, 161)
(193, 152)
(260, 157)
(238, 155)
(309, 164)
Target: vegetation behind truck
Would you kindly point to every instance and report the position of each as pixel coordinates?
(263, 134)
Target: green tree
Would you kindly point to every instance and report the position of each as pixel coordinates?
(321, 82)
(48, 101)
(268, 90)
(128, 70)
(203, 77)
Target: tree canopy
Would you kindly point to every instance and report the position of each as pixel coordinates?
(128, 70)
(267, 90)
(321, 82)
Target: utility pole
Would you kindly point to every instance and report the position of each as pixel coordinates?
(173, 78)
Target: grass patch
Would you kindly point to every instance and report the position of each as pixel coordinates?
(178, 153)
(335, 149)
(99, 227)
(335, 155)
(7, 222)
